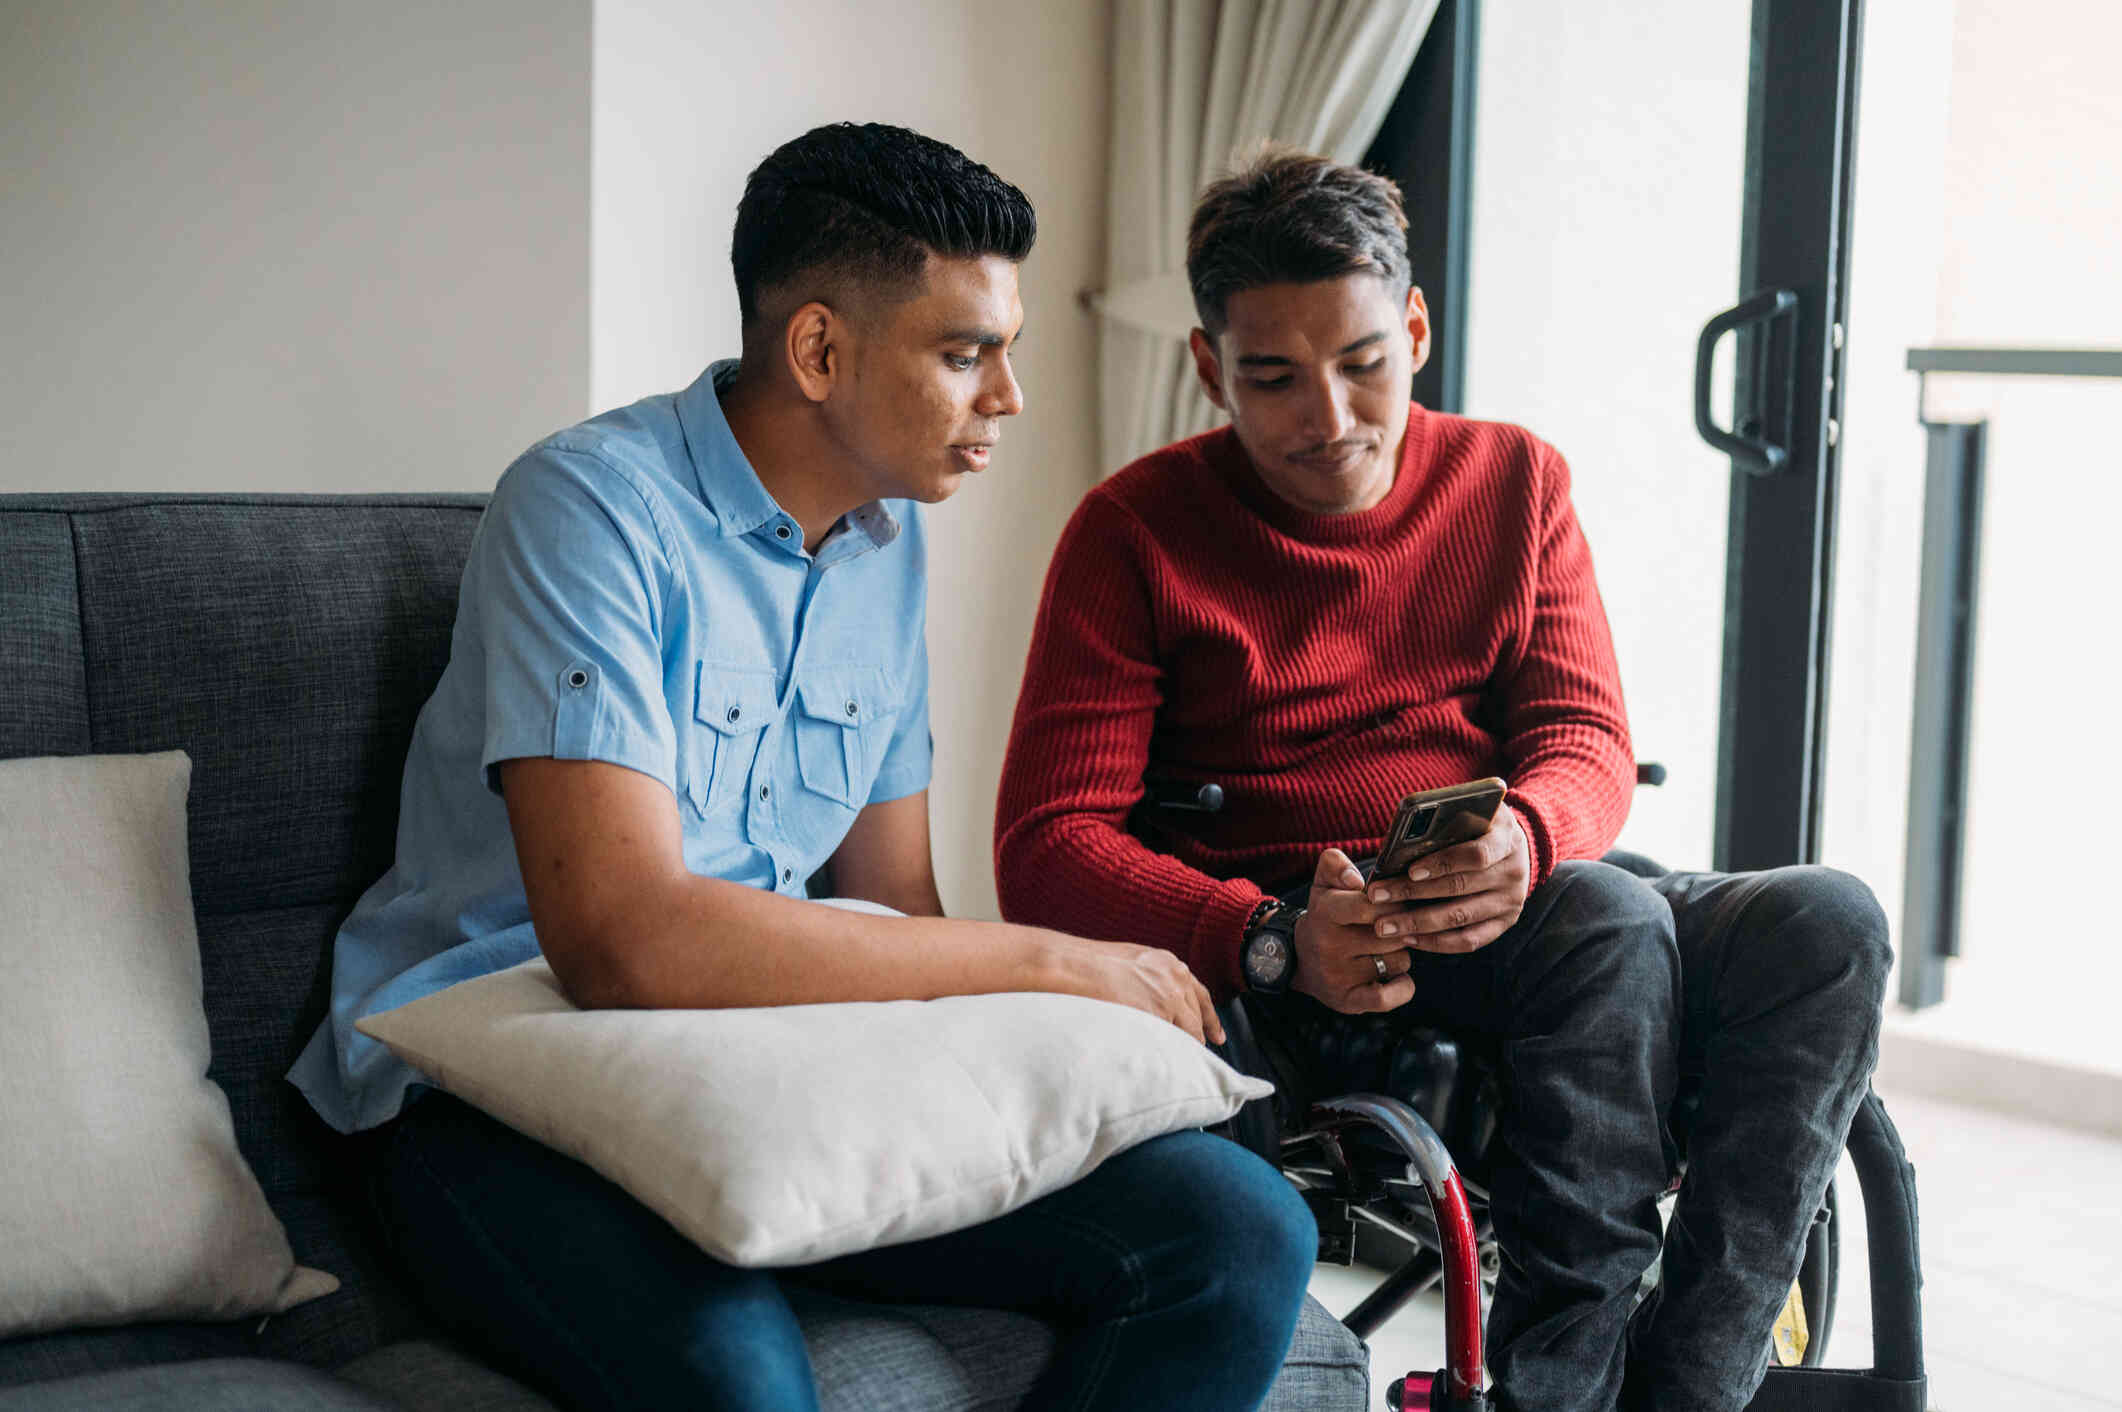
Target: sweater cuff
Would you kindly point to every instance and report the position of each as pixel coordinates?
(1219, 936)
(1537, 847)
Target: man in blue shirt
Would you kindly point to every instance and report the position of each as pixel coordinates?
(688, 670)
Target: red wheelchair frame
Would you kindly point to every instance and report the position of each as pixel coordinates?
(1458, 1385)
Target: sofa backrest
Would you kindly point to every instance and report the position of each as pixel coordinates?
(287, 644)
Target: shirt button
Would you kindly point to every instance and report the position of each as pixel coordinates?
(734, 713)
(788, 875)
(578, 679)
(782, 532)
(851, 708)
(765, 790)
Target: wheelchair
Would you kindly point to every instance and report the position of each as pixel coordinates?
(1400, 1179)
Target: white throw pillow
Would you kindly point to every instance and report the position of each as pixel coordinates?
(122, 1194)
(791, 1134)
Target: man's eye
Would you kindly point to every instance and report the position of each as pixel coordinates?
(1269, 384)
(963, 362)
(1365, 369)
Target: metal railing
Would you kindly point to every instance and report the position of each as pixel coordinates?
(1943, 706)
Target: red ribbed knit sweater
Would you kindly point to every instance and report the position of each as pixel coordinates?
(1198, 627)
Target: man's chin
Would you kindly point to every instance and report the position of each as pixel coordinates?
(1336, 489)
(940, 487)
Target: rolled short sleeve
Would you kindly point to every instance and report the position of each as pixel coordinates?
(566, 589)
(910, 756)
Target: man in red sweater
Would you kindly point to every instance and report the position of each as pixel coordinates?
(1341, 598)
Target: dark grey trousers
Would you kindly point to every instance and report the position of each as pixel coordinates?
(1753, 997)
(1784, 973)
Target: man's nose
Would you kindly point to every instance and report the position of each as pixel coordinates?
(1001, 396)
(1327, 417)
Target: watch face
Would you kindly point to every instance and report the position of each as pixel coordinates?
(1266, 958)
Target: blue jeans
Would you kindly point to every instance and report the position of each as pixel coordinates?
(1174, 1273)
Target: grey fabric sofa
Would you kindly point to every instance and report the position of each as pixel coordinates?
(287, 643)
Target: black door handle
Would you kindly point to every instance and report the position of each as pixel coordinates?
(1748, 452)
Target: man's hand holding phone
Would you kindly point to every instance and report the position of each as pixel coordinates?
(1451, 877)
(1461, 897)
(1341, 962)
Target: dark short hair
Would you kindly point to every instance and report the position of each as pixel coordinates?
(864, 203)
(1289, 217)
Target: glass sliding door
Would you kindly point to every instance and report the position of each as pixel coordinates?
(1639, 171)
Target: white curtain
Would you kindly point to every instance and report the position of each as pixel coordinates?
(1193, 82)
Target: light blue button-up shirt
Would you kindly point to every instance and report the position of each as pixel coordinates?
(635, 595)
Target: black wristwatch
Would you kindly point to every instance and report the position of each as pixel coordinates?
(1270, 955)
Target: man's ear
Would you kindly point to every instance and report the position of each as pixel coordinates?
(814, 345)
(1417, 327)
(1207, 367)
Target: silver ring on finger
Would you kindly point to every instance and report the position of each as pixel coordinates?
(1384, 974)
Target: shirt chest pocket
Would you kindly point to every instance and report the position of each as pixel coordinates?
(731, 705)
(843, 721)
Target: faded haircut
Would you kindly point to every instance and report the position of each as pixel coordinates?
(861, 206)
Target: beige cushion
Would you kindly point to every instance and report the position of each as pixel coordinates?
(791, 1134)
(122, 1194)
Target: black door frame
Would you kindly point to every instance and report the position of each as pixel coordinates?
(1779, 568)
(1426, 144)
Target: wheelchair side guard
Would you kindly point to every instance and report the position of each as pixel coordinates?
(1895, 1382)
(1457, 1387)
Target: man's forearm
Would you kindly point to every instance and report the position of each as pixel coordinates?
(1075, 762)
(1570, 761)
(703, 943)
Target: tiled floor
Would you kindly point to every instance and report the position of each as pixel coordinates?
(2022, 1260)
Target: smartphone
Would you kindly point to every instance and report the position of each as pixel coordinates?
(1434, 819)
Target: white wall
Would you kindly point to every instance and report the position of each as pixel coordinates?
(269, 247)
(689, 97)
(255, 246)
(1608, 167)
